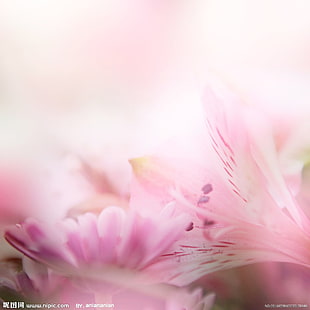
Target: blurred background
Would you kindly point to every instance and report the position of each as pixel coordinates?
(72, 71)
(103, 81)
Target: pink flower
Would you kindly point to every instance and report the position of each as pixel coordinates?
(98, 246)
(31, 281)
(228, 179)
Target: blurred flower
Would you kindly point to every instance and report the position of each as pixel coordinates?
(102, 255)
(32, 282)
(29, 281)
(114, 239)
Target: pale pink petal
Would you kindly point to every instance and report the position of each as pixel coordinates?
(110, 224)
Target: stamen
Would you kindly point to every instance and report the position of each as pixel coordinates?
(190, 227)
(207, 188)
(208, 222)
(203, 199)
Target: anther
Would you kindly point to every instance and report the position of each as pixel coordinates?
(208, 222)
(207, 188)
(203, 199)
(190, 227)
